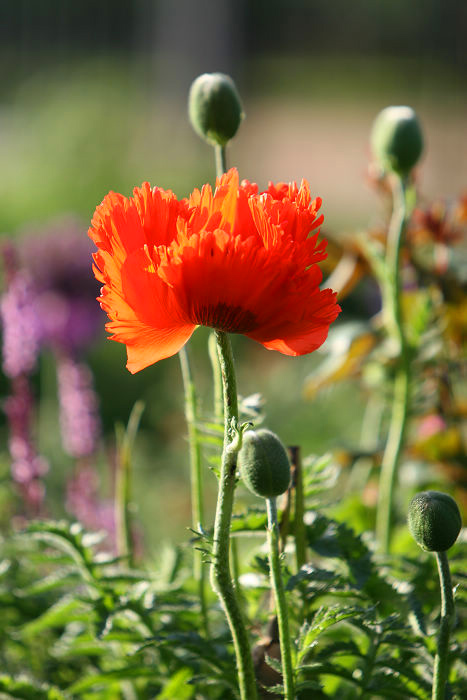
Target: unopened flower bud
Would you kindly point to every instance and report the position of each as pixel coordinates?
(397, 139)
(434, 520)
(264, 464)
(214, 108)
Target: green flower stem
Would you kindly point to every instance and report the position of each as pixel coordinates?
(221, 162)
(125, 441)
(220, 569)
(219, 415)
(217, 377)
(392, 309)
(441, 669)
(299, 509)
(279, 595)
(196, 479)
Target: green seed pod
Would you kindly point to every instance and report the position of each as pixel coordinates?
(264, 464)
(214, 108)
(397, 139)
(434, 520)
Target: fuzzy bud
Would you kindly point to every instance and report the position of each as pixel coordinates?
(214, 108)
(397, 139)
(264, 464)
(434, 520)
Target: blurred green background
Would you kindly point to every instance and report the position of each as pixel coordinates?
(93, 98)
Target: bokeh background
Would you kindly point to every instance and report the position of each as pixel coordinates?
(93, 98)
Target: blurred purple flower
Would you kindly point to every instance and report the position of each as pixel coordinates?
(57, 261)
(27, 467)
(49, 301)
(21, 327)
(79, 417)
(50, 296)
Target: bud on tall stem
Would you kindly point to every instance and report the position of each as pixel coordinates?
(214, 108)
(435, 522)
(397, 144)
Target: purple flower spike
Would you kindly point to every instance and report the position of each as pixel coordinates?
(79, 417)
(57, 260)
(21, 327)
(27, 467)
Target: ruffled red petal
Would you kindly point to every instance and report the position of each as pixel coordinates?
(231, 259)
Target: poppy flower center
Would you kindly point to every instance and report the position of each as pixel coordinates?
(222, 317)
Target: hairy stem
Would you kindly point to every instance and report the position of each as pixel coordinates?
(299, 509)
(196, 480)
(221, 161)
(281, 602)
(217, 377)
(441, 668)
(392, 309)
(220, 569)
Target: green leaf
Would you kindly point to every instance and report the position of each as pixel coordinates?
(390, 684)
(211, 440)
(324, 618)
(308, 685)
(26, 689)
(338, 648)
(273, 663)
(417, 306)
(67, 609)
(70, 539)
(331, 539)
(104, 679)
(57, 580)
(178, 686)
(253, 520)
(329, 669)
(211, 428)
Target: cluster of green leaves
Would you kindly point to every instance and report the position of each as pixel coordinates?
(79, 623)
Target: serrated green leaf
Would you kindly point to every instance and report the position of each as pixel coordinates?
(406, 675)
(388, 684)
(324, 618)
(336, 540)
(273, 663)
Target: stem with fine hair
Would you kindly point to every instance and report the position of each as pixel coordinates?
(219, 416)
(220, 569)
(197, 503)
(281, 602)
(221, 167)
(216, 376)
(392, 308)
(441, 668)
(221, 161)
(299, 509)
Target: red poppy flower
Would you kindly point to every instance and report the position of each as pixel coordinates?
(232, 259)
